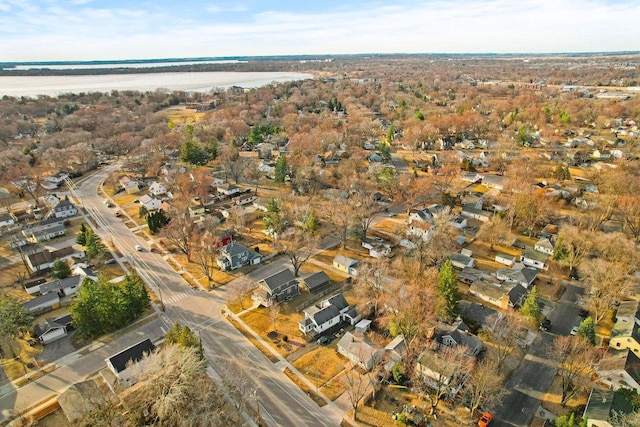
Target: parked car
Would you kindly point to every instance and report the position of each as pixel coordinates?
(485, 419)
(519, 245)
(118, 214)
(110, 261)
(392, 214)
(323, 340)
(138, 248)
(583, 312)
(574, 330)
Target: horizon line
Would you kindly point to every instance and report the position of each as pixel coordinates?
(322, 55)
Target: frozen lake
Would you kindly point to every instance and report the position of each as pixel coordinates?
(33, 86)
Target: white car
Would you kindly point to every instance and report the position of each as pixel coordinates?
(138, 248)
(574, 330)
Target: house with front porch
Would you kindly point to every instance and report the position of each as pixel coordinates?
(325, 315)
(276, 288)
(234, 255)
(357, 348)
(64, 209)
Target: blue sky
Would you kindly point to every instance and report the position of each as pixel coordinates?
(45, 30)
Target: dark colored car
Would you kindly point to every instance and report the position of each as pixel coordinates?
(583, 313)
(323, 340)
(545, 325)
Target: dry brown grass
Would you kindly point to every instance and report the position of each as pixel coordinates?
(303, 386)
(335, 387)
(320, 365)
(8, 275)
(111, 271)
(311, 267)
(257, 344)
(551, 401)
(259, 320)
(187, 115)
(236, 307)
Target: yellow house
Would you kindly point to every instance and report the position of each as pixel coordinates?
(626, 332)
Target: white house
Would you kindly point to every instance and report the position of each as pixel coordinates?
(119, 363)
(57, 177)
(505, 259)
(157, 189)
(545, 245)
(620, 369)
(535, 259)
(130, 186)
(228, 190)
(150, 203)
(53, 329)
(64, 209)
(461, 261)
(458, 222)
(359, 350)
(320, 317)
(423, 230)
(376, 250)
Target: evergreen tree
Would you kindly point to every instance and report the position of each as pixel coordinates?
(281, 169)
(192, 153)
(272, 218)
(212, 149)
(587, 329)
(156, 220)
(448, 291)
(255, 135)
(93, 248)
(142, 211)
(81, 237)
(530, 307)
(101, 307)
(183, 336)
(60, 269)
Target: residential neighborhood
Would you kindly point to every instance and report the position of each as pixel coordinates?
(343, 250)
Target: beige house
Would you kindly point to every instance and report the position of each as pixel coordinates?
(626, 331)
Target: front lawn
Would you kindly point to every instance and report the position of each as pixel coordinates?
(287, 338)
(320, 365)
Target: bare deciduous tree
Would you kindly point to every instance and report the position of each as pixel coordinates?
(606, 285)
(485, 385)
(504, 331)
(576, 360)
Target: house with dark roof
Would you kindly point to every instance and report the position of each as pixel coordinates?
(63, 287)
(518, 274)
(458, 334)
(320, 317)
(6, 220)
(118, 363)
(316, 281)
(602, 407)
(626, 332)
(500, 294)
(45, 258)
(64, 209)
(53, 329)
(470, 211)
(461, 261)
(42, 303)
(234, 255)
(437, 372)
(277, 288)
(620, 369)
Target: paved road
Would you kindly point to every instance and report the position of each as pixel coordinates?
(527, 386)
(281, 402)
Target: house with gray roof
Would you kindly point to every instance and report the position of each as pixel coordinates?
(234, 255)
(545, 245)
(316, 281)
(63, 287)
(64, 208)
(42, 303)
(346, 264)
(53, 329)
(518, 274)
(459, 334)
(626, 332)
(620, 369)
(320, 317)
(461, 261)
(500, 294)
(277, 288)
(602, 407)
(360, 350)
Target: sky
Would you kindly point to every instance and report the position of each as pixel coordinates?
(49, 30)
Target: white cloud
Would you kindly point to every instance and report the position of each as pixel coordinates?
(432, 26)
(226, 8)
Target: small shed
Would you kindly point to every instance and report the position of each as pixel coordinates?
(363, 326)
(316, 281)
(505, 259)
